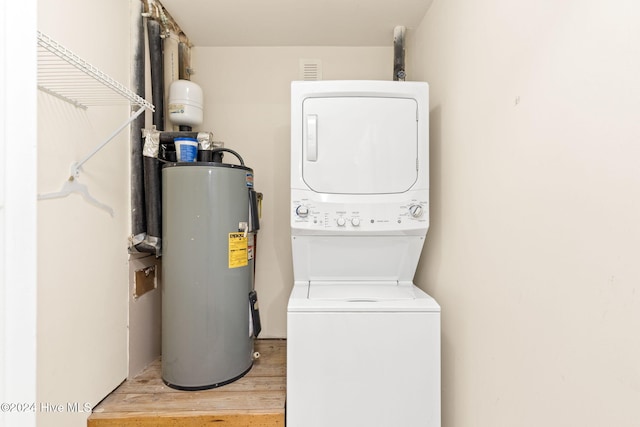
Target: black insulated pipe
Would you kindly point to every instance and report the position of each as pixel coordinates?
(153, 192)
(399, 73)
(184, 71)
(138, 211)
(152, 177)
(157, 72)
(168, 137)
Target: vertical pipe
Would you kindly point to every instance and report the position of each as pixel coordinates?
(399, 73)
(184, 69)
(138, 213)
(152, 184)
(157, 66)
(171, 70)
(184, 56)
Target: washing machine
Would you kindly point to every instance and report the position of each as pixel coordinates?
(363, 342)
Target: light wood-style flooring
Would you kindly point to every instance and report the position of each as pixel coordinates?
(256, 400)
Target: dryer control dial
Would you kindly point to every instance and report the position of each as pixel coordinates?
(416, 211)
(355, 222)
(341, 222)
(302, 211)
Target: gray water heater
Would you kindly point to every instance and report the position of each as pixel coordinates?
(207, 274)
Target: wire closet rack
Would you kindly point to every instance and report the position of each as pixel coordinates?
(63, 74)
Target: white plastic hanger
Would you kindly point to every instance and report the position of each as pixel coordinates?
(72, 185)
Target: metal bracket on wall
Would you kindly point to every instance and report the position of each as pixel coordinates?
(66, 76)
(145, 281)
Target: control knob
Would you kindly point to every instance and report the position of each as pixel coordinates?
(302, 211)
(341, 222)
(416, 211)
(355, 222)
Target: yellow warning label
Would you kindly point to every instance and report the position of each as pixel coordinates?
(238, 254)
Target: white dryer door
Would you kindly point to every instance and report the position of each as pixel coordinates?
(360, 145)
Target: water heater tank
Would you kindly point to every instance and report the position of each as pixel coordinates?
(207, 274)
(185, 103)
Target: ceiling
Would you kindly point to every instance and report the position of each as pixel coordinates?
(295, 22)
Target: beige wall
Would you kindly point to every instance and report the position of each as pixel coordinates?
(82, 251)
(533, 249)
(247, 105)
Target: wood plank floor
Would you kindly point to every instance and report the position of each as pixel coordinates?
(256, 400)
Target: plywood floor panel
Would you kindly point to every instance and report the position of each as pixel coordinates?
(256, 400)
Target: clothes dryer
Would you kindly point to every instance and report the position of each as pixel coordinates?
(363, 342)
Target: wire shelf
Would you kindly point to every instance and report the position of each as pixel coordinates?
(65, 75)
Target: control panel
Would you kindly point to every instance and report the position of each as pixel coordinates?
(330, 216)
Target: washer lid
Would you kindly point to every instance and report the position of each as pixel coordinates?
(360, 291)
(362, 296)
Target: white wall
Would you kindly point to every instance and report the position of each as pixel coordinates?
(533, 249)
(18, 262)
(82, 251)
(145, 316)
(247, 105)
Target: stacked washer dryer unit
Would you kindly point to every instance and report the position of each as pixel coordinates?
(363, 342)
